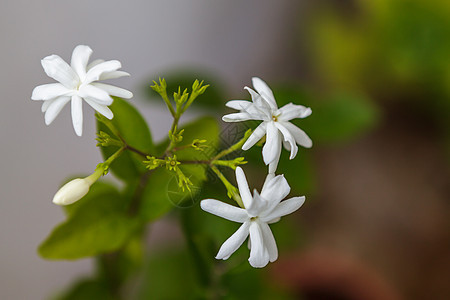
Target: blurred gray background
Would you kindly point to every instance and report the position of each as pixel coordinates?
(233, 39)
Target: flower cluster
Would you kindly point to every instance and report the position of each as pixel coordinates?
(262, 209)
(79, 81)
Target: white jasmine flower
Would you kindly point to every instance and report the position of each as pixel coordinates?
(260, 211)
(72, 191)
(275, 125)
(76, 83)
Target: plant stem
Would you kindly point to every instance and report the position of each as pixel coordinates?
(132, 149)
(231, 189)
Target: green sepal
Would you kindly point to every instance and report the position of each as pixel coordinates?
(132, 129)
(162, 191)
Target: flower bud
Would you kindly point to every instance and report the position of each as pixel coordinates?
(72, 191)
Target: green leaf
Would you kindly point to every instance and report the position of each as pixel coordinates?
(162, 193)
(134, 130)
(213, 98)
(97, 225)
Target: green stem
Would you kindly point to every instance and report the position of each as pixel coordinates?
(114, 156)
(232, 191)
(132, 149)
(234, 147)
(169, 105)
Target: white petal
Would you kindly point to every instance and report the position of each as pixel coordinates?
(259, 257)
(113, 75)
(237, 117)
(257, 206)
(264, 90)
(102, 109)
(284, 208)
(233, 242)
(114, 90)
(269, 241)
(288, 137)
(238, 104)
(291, 111)
(274, 164)
(95, 72)
(224, 210)
(77, 114)
(55, 108)
(300, 136)
(46, 104)
(49, 91)
(257, 135)
(80, 58)
(258, 101)
(244, 190)
(275, 190)
(56, 68)
(94, 92)
(272, 147)
(286, 145)
(94, 63)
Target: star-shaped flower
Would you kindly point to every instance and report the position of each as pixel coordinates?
(259, 211)
(275, 125)
(76, 83)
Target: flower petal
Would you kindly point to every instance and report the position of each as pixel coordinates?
(274, 190)
(113, 75)
(292, 111)
(284, 208)
(264, 90)
(233, 242)
(49, 91)
(238, 104)
(54, 108)
(274, 164)
(257, 206)
(272, 147)
(288, 137)
(237, 117)
(102, 109)
(260, 103)
(94, 92)
(114, 90)
(269, 241)
(244, 190)
(259, 257)
(77, 114)
(46, 104)
(299, 135)
(96, 71)
(56, 68)
(224, 210)
(257, 135)
(80, 58)
(94, 63)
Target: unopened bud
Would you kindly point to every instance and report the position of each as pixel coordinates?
(72, 191)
